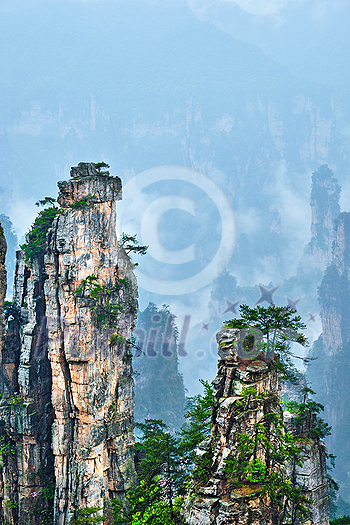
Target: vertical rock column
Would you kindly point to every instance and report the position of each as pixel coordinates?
(25, 409)
(3, 283)
(325, 192)
(89, 350)
(335, 289)
(329, 373)
(216, 502)
(247, 392)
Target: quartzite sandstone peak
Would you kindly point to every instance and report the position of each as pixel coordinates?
(234, 414)
(329, 372)
(334, 290)
(325, 192)
(3, 274)
(76, 309)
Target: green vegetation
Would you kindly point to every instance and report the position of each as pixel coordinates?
(259, 462)
(101, 299)
(10, 504)
(115, 339)
(197, 430)
(84, 203)
(43, 501)
(279, 326)
(7, 449)
(345, 520)
(101, 166)
(106, 304)
(305, 416)
(35, 244)
(87, 516)
(131, 245)
(162, 474)
(166, 465)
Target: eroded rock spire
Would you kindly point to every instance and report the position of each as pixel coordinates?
(66, 372)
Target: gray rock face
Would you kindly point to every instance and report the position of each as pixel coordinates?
(312, 477)
(329, 373)
(66, 371)
(334, 290)
(26, 409)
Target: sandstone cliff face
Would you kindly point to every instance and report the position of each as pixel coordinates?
(236, 413)
(67, 410)
(334, 290)
(312, 478)
(329, 373)
(26, 410)
(2, 282)
(92, 387)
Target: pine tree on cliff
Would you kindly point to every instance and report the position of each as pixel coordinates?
(250, 463)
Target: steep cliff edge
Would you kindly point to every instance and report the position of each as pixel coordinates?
(325, 192)
(329, 372)
(247, 440)
(90, 331)
(334, 290)
(66, 373)
(3, 286)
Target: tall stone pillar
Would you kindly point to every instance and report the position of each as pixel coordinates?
(66, 406)
(247, 394)
(89, 341)
(3, 283)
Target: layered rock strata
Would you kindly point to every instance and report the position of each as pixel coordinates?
(335, 289)
(66, 373)
(92, 386)
(329, 372)
(3, 277)
(248, 392)
(325, 193)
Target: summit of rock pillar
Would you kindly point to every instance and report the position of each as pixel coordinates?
(87, 181)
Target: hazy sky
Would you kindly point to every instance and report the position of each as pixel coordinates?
(260, 146)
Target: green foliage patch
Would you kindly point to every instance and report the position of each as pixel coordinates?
(131, 245)
(276, 448)
(7, 449)
(101, 166)
(88, 516)
(279, 326)
(35, 244)
(101, 300)
(161, 470)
